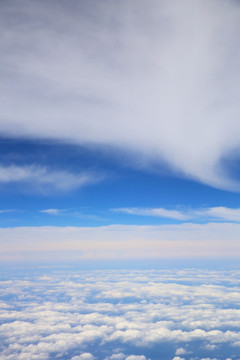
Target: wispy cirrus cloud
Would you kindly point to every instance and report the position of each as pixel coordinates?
(222, 213)
(158, 212)
(6, 211)
(159, 80)
(44, 179)
(211, 213)
(53, 211)
(73, 214)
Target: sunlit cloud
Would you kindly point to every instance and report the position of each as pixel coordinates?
(181, 351)
(120, 315)
(84, 356)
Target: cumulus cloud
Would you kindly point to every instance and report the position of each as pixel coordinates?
(84, 356)
(71, 314)
(43, 179)
(210, 347)
(181, 351)
(118, 356)
(120, 242)
(159, 80)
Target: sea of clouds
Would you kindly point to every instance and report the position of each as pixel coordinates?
(120, 314)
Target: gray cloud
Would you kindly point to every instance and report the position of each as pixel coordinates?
(159, 80)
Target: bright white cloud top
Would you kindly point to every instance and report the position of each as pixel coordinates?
(120, 315)
(160, 80)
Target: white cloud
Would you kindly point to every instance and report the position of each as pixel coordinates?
(161, 82)
(210, 347)
(4, 211)
(159, 212)
(212, 213)
(84, 356)
(44, 179)
(120, 242)
(118, 356)
(181, 351)
(222, 212)
(161, 309)
(52, 211)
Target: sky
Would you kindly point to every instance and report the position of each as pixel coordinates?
(119, 130)
(119, 180)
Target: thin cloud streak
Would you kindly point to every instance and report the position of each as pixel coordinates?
(43, 179)
(213, 213)
(158, 212)
(224, 213)
(53, 211)
(6, 211)
(161, 81)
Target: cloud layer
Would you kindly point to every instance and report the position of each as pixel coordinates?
(159, 80)
(120, 315)
(120, 242)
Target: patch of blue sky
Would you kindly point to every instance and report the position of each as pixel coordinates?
(121, 186)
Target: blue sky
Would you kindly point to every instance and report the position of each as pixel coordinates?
(121, 118)
(118, 185)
